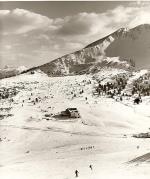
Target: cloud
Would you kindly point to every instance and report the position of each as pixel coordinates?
(42, 39)
(93, 24)
(20, 21)
(79, 24)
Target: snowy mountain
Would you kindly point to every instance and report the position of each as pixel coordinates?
(11, 71)
(127, 45)
(34, 136)
(130, 45)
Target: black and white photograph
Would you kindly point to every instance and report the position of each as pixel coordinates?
(74, 89)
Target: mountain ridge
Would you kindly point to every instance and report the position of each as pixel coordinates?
(128, 45)
(11, 71)
(81, 61)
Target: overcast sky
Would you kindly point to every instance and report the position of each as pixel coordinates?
(33, 33)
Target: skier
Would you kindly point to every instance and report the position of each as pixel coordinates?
(36, 99)
(76, 173)
(90, 166)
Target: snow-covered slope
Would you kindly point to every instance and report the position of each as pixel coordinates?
(107, 62)
(139, 82)
(33, 139)
(82, 62)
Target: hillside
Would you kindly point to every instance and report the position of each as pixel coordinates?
(124, 49)
(32, 137)
(9, 72)
(38, 139)
(130, 46)
(133, 44)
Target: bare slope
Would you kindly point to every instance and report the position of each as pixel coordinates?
(133, 44)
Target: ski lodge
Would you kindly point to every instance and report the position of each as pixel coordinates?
(71, 112)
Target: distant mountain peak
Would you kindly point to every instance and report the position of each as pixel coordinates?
(8, 71)
(123, 30)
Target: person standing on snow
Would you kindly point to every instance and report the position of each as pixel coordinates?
(90, 166)
(76, 173)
